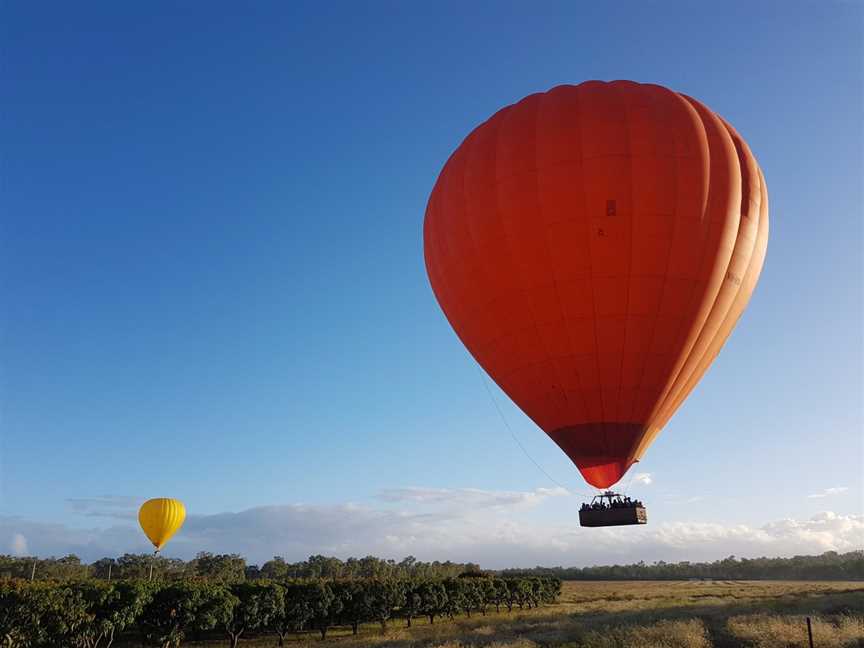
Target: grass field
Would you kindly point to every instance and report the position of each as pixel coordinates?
(639, 614)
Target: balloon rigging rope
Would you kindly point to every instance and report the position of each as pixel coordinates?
(516, 439)
(627, 487)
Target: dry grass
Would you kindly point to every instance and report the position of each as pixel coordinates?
(640, 614)
(763, 631)
(663, 634)
(518, 643)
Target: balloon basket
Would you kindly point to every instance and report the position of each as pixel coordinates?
(610, 509)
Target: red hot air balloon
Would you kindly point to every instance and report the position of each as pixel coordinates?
(593, 247)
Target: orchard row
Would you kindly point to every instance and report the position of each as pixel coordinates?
(92, 614)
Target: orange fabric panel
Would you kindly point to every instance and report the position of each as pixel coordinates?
(758, 209)
(593, 246)
(741, 275)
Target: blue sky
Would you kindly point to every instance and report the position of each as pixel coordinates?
(213, 283)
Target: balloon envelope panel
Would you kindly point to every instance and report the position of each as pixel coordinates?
(593, 246)
(160, 519)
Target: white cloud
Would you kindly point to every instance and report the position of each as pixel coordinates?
(496, 529)
(828, 492)
(471, 497)
(122, 507)
(52, 539)
(642, 478)
(18, 545)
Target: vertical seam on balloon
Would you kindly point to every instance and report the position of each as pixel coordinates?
(691, 293)
(499, 334)
(447, 217)
(681, 380)
(562, 410)
(679, 385)
(568, 413)
(760, 247)
(675, 219)
(538, 211)
(161, 523)
(181, 516)
(444, 245)
(499, 123)
(467, 148)
(441, 244)
(685, 384)
(169, 521)
(436, 242)
(630, 253)
(507, 237)
(561, 311)
(683, 323)
(465, 151)
(764, 206)
(588, 231)
(712, 203)
(430, 241)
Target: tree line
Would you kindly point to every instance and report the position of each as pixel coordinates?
(827, 566)
(93, 613)
(225, 568)
(232, 567)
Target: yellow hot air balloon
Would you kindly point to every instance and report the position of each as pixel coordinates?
(160, 519)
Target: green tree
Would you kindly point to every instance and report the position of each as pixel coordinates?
(256, 605)
(294, 614)
(512, 593)
(324, 604)
(103, 567)
(522, 591)
(551, 589)
(407, 566)
(57, 613)
(182, 607)
(22, 608)
(224, 568)
(135, 566)
(413, 605)
(433, 599)
(486, 593)
(111, 608)
(383, 597)
(138, 566)
(456, 602)
(66, 568)
(276, 569)
(322, 567)
(355, 603)
(500, 594)
(537, 586)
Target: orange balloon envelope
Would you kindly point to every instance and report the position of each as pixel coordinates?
(593, 247)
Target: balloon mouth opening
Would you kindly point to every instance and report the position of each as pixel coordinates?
(602, 450)
(603, 473)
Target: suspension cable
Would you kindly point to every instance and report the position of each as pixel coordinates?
(516, 439)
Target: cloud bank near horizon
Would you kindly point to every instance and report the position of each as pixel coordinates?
(494, 528)
(829, 492)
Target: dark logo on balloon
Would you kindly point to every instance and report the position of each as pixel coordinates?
(733, 278)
